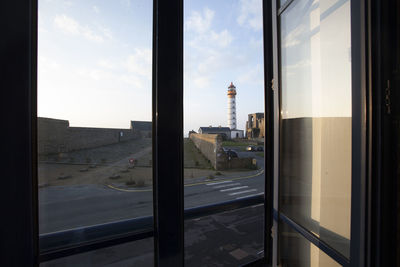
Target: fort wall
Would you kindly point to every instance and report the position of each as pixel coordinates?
(55, 136)
(211, 147)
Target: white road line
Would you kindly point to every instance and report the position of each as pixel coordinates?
(226, 185)
(242, 192)
(219, 183)
(234, 188)
(251, 196)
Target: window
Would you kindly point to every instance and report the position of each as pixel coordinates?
(20, 192)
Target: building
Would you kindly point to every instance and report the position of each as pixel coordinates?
(224, 131)
(255, 126)
(231, 106)
(144, 127)
(235, 133)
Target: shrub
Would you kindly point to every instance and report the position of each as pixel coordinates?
(218, 173)
(210, 177)
(140, 182)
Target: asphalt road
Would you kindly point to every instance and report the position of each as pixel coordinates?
(67, 207)
(226, 239)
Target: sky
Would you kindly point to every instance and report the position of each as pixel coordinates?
(94, 61)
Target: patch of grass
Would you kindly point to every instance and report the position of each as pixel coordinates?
(260, 154)
(233, 143)
(193, 158)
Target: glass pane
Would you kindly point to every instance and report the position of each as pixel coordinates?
(138, 253)
(232, 238)
(296, 251)
(316, 118)
(224, 112)
(282, 2)
(94, 108)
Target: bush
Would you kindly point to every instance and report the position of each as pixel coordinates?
(140, 182)
(218, 173)
(210, 177)
(130, 182)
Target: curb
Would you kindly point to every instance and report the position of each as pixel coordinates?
(188, 185)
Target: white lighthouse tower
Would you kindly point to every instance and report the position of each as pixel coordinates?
(232, 106)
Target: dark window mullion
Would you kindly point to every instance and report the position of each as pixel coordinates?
(168, 132)
(19, 235)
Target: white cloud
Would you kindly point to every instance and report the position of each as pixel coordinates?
(292, 38)
(96, 9)
(126, 3)
(140, 62)
(201, 81)
(67, 24)
(222, 39)
(200, 22)
(105, 64)
(252, 76)
(70, 26)
(251, 14)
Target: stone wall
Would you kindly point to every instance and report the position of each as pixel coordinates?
(208, 144)
(211, 147)
(55, 136)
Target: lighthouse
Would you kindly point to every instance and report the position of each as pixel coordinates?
(232, 107)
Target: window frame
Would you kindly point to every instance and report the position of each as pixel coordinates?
(22, 237)
(360, 126)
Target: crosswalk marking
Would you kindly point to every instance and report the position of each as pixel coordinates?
(223, 182)
(234, 188)
(252, 195)
(242, 192)
(225, 185)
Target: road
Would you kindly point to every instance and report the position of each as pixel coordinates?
(229, 238)
(66, 207)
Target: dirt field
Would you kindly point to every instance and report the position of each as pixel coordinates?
(110, 164)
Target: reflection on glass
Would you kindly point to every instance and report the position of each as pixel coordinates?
(296, 251)
(94, 108)
(232, 238)
(282, 2)
(138, 253)
(224, 122)
(316, 118)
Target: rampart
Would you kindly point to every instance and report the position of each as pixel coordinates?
(211, 147)
(208, 144)
(55, 136)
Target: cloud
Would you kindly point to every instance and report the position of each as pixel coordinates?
(252, 76)
(200, 22)
(105, 64)
(126, 3)
(293, 37)
(70, 26)
(140, 62)
(199, 25)
(222, 39)
(96, 9)
(251, 14)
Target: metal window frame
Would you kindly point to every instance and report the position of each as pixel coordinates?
(360, 126)
(19, 231)
(20, 243)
